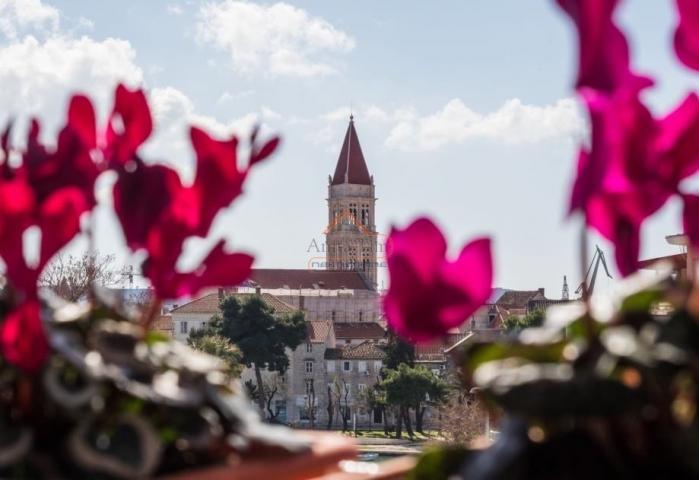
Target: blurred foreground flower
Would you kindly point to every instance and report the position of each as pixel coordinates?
(158, 213)
(429, 295)
(686, 39)
(634, 163)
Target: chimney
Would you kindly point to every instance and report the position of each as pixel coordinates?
(541, 291)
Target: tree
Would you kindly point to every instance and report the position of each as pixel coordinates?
(262, 335)
(220, 347)
(409, 387)
(341, 391)
(398, 351)
(72, 277)
(330, 408)
(374, 398)
(515, 323)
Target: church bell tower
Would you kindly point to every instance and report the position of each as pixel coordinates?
(351, 239)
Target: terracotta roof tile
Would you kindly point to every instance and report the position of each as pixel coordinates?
(209, 303)
(163, 324)
(351, 167)
(516, 298)
(368, 350)
(318, 330)
(359, 330)
(293, 279)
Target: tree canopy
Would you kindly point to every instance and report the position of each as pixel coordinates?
(261, 335)
(398, 351)
(219, 346)
(515, 323)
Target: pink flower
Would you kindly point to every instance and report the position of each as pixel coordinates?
(158, 213)
(686, 40)
(604, 53)
(428, 294)
(129, 125)
(50, 190)
(22, 337)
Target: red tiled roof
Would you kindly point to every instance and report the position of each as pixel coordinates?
(317, 330)
(368, 350)
(279, 278)
(359, 330)
(678, 261)
(351, 167)
(209, 303)
(163, 323)
(516, 298)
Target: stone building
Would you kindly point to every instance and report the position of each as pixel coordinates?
(351, 237)
(339, 296)
(197, 314)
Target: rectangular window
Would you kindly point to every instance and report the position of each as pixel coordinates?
(332, 315)
(183, 327)
(309, 366)
(347, 366)
(377, 365)
(361, 388)
(309, 387)
(330, 366)
(361, 366)
(309, 347)
(361, 315)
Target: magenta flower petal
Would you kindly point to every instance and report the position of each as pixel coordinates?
(218, 269)
(422, 243)
(59, 221)
(22, 337)
(81, 119)
(218, 180)
(428, 294)
(678, 142)
(686, 39)
(604, 53)
(129, 125)
(472, 272)
(690, 218)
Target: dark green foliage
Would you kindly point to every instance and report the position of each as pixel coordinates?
(260, 335)
(219, 346)
(515, 323)
(408, 386)
(438, 463)
(592, 398)
(398, 351)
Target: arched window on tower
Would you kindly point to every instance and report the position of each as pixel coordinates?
(365, 215)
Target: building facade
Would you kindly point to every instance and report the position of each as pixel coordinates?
(351, 237)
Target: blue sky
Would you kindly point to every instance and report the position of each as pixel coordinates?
(464, 112)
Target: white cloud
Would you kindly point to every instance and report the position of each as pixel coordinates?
(230, 97)
(277, 39)
(513, 122)
(174, 112)
(173, 9)
(37, 77)
(17, 16)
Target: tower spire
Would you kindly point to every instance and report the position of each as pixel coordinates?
(351, 166)
(565, 294)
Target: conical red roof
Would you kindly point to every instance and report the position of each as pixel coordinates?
(351, 167)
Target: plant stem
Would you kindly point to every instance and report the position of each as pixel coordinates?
(587, 318)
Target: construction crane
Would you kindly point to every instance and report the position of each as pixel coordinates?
(597, 258)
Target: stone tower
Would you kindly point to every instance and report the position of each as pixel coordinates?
(351, 240)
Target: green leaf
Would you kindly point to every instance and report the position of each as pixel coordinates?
(153, 336)
(438, 463)
(479, 354)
